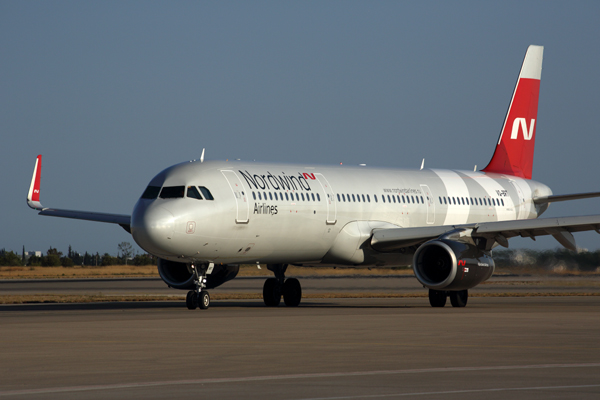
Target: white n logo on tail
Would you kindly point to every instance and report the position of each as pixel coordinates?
(521, 123)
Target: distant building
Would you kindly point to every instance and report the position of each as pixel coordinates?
(29, 254)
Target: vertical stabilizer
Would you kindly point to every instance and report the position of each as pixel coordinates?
(514, 151)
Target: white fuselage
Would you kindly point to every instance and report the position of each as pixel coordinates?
(284, 213)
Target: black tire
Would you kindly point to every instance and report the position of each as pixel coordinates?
(204, 300)
(459, 298)
(437, 298)
(272, 292)
(292, 292)
(191, 301)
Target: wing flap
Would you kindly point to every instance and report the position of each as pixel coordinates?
(500, 231)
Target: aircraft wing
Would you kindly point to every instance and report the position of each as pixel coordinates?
(33, 201)
(560, 228)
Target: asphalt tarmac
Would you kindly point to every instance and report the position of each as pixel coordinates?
(408, 284)
(496, 347)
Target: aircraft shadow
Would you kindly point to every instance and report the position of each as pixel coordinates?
(181, 305)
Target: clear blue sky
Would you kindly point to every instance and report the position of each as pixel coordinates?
(111, 93)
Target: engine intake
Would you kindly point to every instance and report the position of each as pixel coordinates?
(180, 276)
(450, 265)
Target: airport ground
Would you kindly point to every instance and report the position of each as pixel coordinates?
(541, 343)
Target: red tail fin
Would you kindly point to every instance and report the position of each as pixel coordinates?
(514, 152)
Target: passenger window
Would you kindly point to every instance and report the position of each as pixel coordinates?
(151, 192)
(297, 197)
(353, 198)
(172, 192)
(206, 193)
(318, 197)
(259, 196)
(368, 199)
(338, 196)
(254, 195)
(270, 196)
(502, 200)
(422, 201)
(394, 198)
(193, 193)
(375, 198)
(363, 197)
(302, 194)
(286, 197)
(313, 196)
(383, 198)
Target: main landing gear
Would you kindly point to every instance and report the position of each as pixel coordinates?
(275, 287)
(458, 298)
(199, 297)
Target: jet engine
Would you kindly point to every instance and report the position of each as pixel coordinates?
(444, 264)
(180, 276)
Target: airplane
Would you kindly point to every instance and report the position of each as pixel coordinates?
(202, 220)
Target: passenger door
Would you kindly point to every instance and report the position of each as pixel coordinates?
(240, 195)
(429, 203)
(329, 199)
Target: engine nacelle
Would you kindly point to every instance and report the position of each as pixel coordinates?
(450, 265)
(180, 276)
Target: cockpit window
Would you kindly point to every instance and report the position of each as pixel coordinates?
(193, 193)
(206, 193)
(151, 192)
(172, 192)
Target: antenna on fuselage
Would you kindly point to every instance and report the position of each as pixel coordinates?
(475, 169)
(422, 164)
(202, 156)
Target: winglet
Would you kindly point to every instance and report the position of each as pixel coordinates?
(33, 196)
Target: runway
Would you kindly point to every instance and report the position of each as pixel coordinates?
(407, 284)
(532, 347)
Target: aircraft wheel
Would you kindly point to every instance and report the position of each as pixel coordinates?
(437, 298)
(292, 292)
(191, 301)
(272, 292)
(459, 298)
(204, 300)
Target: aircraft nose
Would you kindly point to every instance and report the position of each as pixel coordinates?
(152, 228)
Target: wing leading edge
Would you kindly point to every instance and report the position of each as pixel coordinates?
(33, 201)
(500, 231)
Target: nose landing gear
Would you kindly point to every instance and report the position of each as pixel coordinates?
(199, 297)
(275, 287)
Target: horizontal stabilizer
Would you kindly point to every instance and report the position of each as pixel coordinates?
(565, 197)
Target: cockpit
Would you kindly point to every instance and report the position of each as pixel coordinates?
(175, 192)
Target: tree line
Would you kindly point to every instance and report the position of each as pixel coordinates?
(54, 258)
